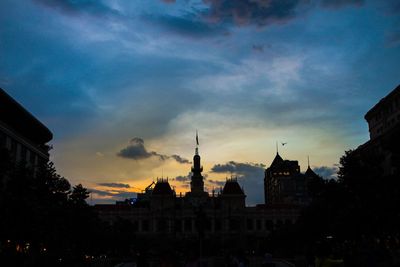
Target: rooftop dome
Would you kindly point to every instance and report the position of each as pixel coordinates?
(162, 187)
(232, 187)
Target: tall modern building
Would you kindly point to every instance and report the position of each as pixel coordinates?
(21, 133)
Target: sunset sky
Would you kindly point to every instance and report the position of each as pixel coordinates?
(124, 84)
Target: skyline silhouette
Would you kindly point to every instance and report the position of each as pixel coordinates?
(100, 74)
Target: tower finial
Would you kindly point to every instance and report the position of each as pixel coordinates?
(197, 143)
(308, 159)
(277, 151)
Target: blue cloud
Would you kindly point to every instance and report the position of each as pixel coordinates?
(250, 175)
(327, 172)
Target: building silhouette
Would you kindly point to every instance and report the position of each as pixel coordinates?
(24, 136)
(284, 183)
(384, 128)
(385, 115)
(159, 210)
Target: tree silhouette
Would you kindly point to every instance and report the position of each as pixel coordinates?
(79, 195)
(39, 211)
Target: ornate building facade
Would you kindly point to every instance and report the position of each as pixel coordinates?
(159, 210)
(284, 183)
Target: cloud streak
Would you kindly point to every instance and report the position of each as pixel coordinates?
(115, 185)
(114, 194)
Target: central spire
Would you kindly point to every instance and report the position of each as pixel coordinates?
(196, 152)
(197, 184)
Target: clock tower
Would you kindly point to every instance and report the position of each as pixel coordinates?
(197, 183)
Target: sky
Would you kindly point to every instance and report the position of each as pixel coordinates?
(124, 84)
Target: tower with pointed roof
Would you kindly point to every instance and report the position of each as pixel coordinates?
(197, 180)
(283, 182)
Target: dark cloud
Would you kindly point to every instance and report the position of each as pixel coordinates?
(189, 25)
(115, 185)
(245, 12)
(327, 172)
(341, 3)
(72, 7)
(136, 150)
(250, 175)
(258, 12)
(181, 160)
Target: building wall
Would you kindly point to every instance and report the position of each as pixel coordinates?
(384, 127)
(384, 115)
(184, 222)
(21, 133)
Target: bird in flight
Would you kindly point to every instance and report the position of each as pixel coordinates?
(284, 144)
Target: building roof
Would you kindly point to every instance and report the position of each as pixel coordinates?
(232, 187)
(310, 173)
(277, 160)
(19, 119)
(383, 102)
(162, 187)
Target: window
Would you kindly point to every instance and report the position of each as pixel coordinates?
(3, 140)
(162, 225)
(145, 226)
(13, 149)
(218, 225)
(32, 157)
(188, 225)
(135, 226)
(258, 224)
(23, 153)
(249, 224)
(178, 226)
(269, 225)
